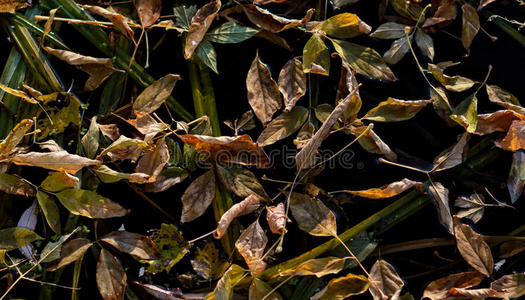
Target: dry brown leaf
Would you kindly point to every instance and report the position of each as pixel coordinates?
(473, 207)
(503, 98)
(498, 121)
(268, 21)
(473, 248)
(515, 138)
(14, 185)
(200, 23)
(312, 215)
(58, 161)
(509, 286)
(439, 289)
(511, 248)
(229, 149)
(395, 110)
(439, 195)
(263, 92)
(386, 280)
(343, 287)
(283, 126)
(471, 25)
(154, 161)
(452, 156)
(119, 22)
(472, 294)
(18, 93)
(241, 181)
(132, 243)
(371, 142)
(10, 6)
(148, 11)
(99, 69)
(387, 190)
(198, 196)
(244, 207)
(111, 278)
(276, 218)
(154, 95)
(317, 266)
(251, 246)
(444, 12)
(110, 131)
(71, 252)
(124, 148)
(292, 83)
(15, 136)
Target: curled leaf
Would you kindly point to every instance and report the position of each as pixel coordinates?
(439, 289)
(388, 190)
(498, 121)
(268, 21)
(200, 23)
(14, 137)
(119, 22)
(395, 110)
(515, 138)
(276, 218)
(244, 207)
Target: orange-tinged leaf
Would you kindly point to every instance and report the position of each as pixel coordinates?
(268, 21)
(312, 215)
(394, 110)
(263, 92)
(317, 266)
(154, 161)
(386, 280)
(451, 156)
(59, 181)
(471, 25)
(200, 23)
(90, 204)
(154, 95)
(148, 11)
(18, 93)
(283, 126)
(445, 11)
(343, 287)
(276, 218)
(119, 22)
(472, 294)
(244, 207)
(10, 6)
(473, 248)
(71, 251)
(111, 278)
(58, 161)
(13, 185)
(132, 243)
(292, 83)
(439, 195)
(515, 138)
(498, 121)
(251, 244)
(198, 196)
(14, 137)
(388, 190)
(439, 289)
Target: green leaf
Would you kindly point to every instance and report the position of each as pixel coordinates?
(183, 14)
(59, 181)
(240, 181)
(230, 33)
(90, 204)
(283, 126)
(11, 184)
(91, 139)
(206, 53)
(365, 61)
(345, 25)
(260, 289)
(316, 58)
(175, 153)
(466, 113)
(395, 110)
(224, 288)
(50, 210)
(312, 215)
(16, 237)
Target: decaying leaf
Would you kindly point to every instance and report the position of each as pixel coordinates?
(200, 23)
(316, 57)
(241, 181)
(407, 9)
(71, 251)
(439, 289)
(14, 137)
(268, 21)
(473, 248)
(292, 83)
(452, 83)
(511, 248)
(439, 195)
(198, 196)
(397, 50)
(90, 204)
(124, 148)
(388, 190)
(99, 69)
(10, 6)
(498, 121)
(15, 237)
(509, 286)
(451, 156)
(14, 185)
(283, 126)
(276, 218)
(343, 287)
(312, 215)
(263, 92)
(167, 178)
(119, 22)
(394, 110)
(172, 247)
(58, 161)
(251, 245)
(90, 141)
(445, 11)
(317, 266)
(386, 280)
(345, 25)
(132, 243)
(148, 11)
(371, 142)
(18, 93)
(516, 180)
(59, 181)
(471, 294)
(504, 98)
(207, 263)
(473, 207)
(108, 175)
(425, 43)
(63, 110)
(244, 207)
(111, 278)
(154, 95)
(515, 138)
(470, 25)
(154, 161)
(259, 289)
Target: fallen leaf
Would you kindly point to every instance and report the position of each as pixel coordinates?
(266, 20)
(445, 11)
(472, 294)
(483, 3)
(466, 113)
(251, 244)
(515, 138)
(15, 136)
(371, 142)
(425, 43)
(395, 110)
(397, 50)
(58, 161)
(470, 26)
(386, 280)
(516, 180)
(148, 11)
(241, 181)
(439, 195)
(345, 25)
(388, 190)
(14, 185)
(119, 22)
(292, 83)
(246, 206)
(498, 121)
(509, 286)
(172, 247)
(10, 6)
(59, 181)
(18, 93)
(312, 215)
(111, 277)
(198, 196)
(224, 288)
(410, 9)
(62, 110)
(14, 237)
(304, 135)
(442, 105)
(260, 289)
(110, 131)
(124, 148)
(473, 207)
(28, 220)
(230, 33)
(504, 98)
(132, 243)
(107, 175)
(200, 23)
(511, 248)
(156, 94)
(207, 263)
(343, 287)
(316, 57)
(90, 204)
(389, 30)
(276, 218)
(473, 248)
(70, 252)
(263, 92)
(90, 141)
(452, 83)
(154, 161)
(452, 156)
(50, 211)
(167, 178)
(317, 266)
(283, 126)
(439, 289)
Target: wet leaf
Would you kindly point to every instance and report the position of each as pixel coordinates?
(292, 83)
(15, 237)
(345, 25)
(394, 110)
(14, 137)
(99, 69)
(132, 243)
(386, 280)
(276, 218)
(466, 113)
(251, 244)
(13, 185)
(71, 251)
(425, 43)
(58, 161)
(515, 138)
(59, 181)
(10, 6)
(389, 30)
(230, 33)
(207, 263)
(439, 289)
(246, 206)
(439, 195)
(371, 142)
(266, 20)
(198, 196)
(90, 204)
(156, 94)
(388, 190)
(397, 51)
(498, 121)
(473, 207)
(452, 83)
(172, 246)
(504, 98)
(50, 211)
(509, 286)
(154, 161)
(516, 180)
(452, 156)
(365, 61)
(111, 278)
(317, 266)
(470, 26)
(148, 11)
(224, 288)
(316, 57)
(343, 287)
(283, 126)
(473, 248)
(90, 140)
(263, 92)
(200, 23)
(259, 289)
(312, 215)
